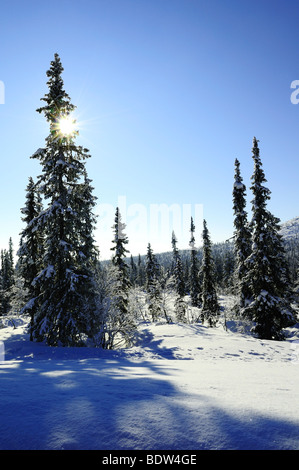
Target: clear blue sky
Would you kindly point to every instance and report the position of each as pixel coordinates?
(168, 94)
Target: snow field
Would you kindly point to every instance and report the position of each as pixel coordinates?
(181, 387)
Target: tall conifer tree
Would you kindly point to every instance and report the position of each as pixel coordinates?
(267, 272)
(65, 307)
(6, 278)
(133, 271)
(118, 260)
(242, 240)
(118, 322)
(194, 270)
(31, 248)
(177, 267)
(153, 286)
(180, 307)
(210, 305)
(140, 278)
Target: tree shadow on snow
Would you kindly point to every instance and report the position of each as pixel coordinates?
(113, 403)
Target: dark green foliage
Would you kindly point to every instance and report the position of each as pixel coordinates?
(179, 282)
(133, 271)
(242, 240)
(6, 278)
(31, 248)
(177, 268)
(140, 276)
(267, 270)
(210, 305)
(153, 286)
(152, 267)
(118, 260)
(194, 271)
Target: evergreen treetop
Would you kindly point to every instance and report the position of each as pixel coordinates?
(58, 102)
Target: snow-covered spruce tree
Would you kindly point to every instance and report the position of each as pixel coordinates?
(194, 270)
(267, 271)
(210, 306)
(65, 306)
(118, 258)
(123, 322)
(242, 241)
(179, 284)
(177, 267)
(117, 328)
(7, 278)
(89, 249)
(153, 286)
(31, 248)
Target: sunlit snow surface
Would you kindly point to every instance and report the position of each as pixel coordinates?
(181, 387)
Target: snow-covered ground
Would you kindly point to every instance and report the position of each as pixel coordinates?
(181, 387)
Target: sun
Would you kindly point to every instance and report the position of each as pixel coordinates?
(67, 126)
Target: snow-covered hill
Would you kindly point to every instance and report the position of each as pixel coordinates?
(180, 387)
(290, 229)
